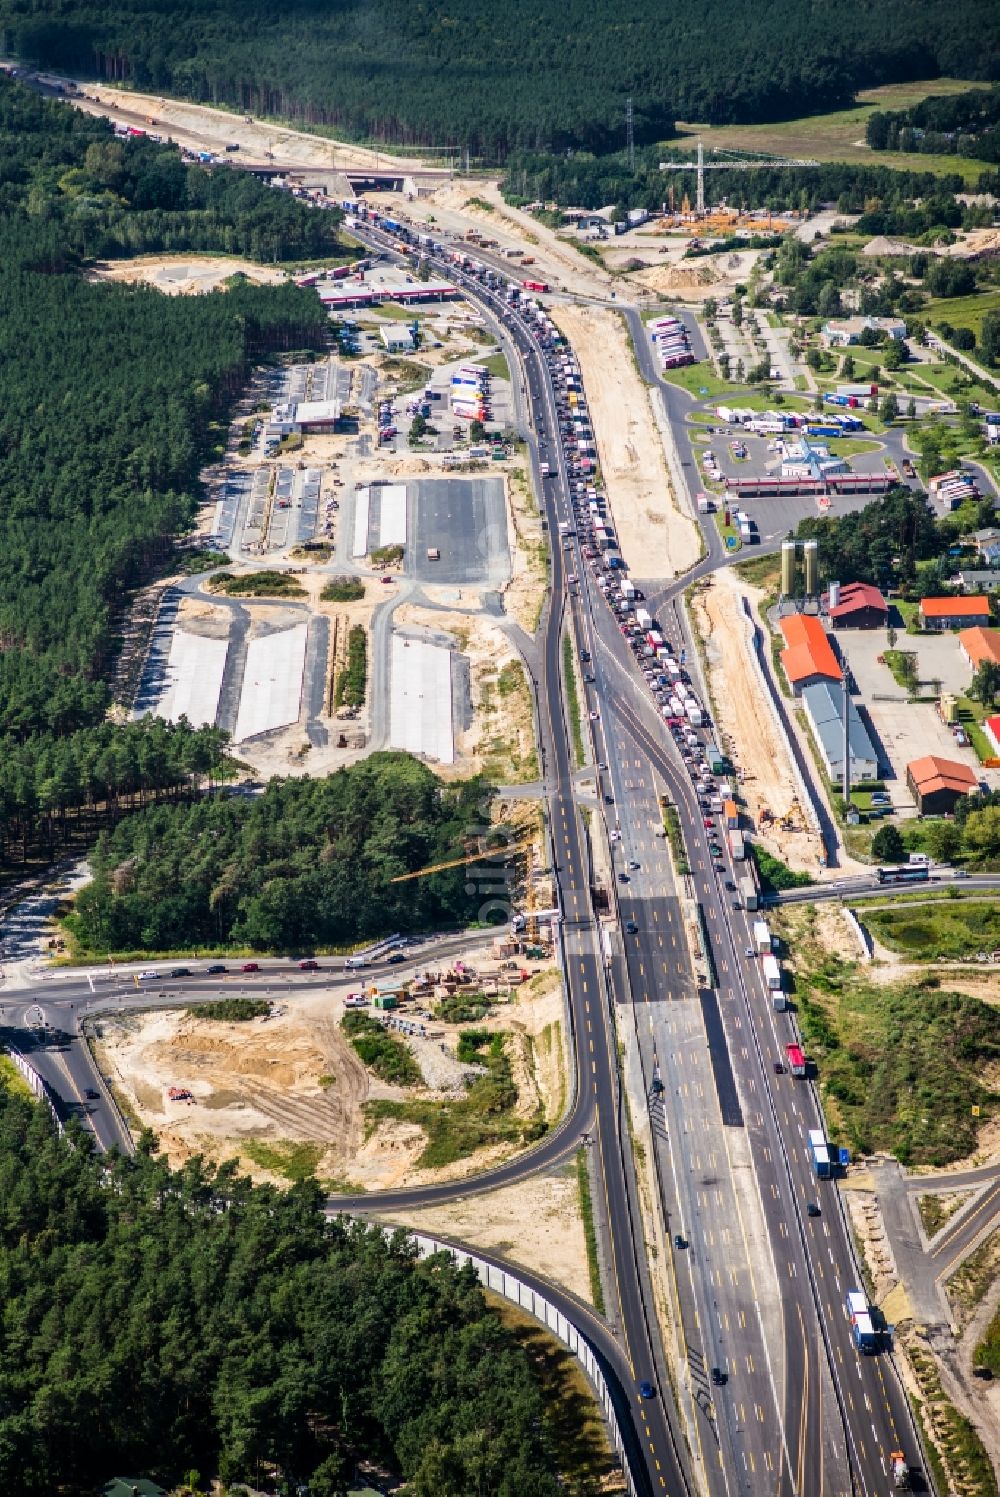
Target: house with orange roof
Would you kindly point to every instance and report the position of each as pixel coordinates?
(936, 784)
(980, 645)
(955, 613)
(808, 654)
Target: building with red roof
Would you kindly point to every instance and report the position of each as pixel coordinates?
(858, 606)
(955, 613)
(808, 654)
(937, 784)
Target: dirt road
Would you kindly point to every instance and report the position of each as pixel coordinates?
(656, 539)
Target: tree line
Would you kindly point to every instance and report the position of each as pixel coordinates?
(308, 864)
(492, 79)
(966, 124)
(185, 1323)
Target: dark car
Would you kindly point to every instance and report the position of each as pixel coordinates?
(179, 972)
(623, 878)
(394, 960)
(250, 967)
(718, 1377)
(631, 927)
(309, 965)
(679, 1241)
(779, 1069)
(92, 1095)
(584, 655)
(216, 967)
(812, 1209)
(609, 800)
(657, 1086)
(646, 1390)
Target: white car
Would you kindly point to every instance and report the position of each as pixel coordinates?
(149, 973)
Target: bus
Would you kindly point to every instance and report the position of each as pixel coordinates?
(904, 873)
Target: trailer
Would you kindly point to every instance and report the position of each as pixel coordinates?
(771, 968)
(862, 1327)
(819, 1151)
(737, 842)
(748, 892)
(762, 937)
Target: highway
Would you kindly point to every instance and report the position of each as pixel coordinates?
(760, 1282)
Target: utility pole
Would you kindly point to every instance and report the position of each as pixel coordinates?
(846, 715)
(630, 133)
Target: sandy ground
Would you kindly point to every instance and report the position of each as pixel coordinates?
(185, 275)
(536, 1222)
(695, 280)
(759, 749)
(656, 540)
(294, 1078)
(198, 127)
(499, 725)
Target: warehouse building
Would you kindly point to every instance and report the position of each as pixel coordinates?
(398, 339)
(808, 655)
(848, 330)
(938, 784)
(954, 613)
(856, 605)
(824, 704)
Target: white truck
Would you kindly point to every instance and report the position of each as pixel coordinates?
(762, 937)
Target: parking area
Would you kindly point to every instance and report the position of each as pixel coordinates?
(465, 519)
(908, 730)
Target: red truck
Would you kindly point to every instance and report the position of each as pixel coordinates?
(535, 285)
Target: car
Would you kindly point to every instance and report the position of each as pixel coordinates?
(718, 1377)
(730, 886)
(216, 967)
(812, 1209)
(737, 904)
(309, 965)
(779, 1068)
(634, 865)
(148, 973)
(602, 766)
(646, 1390)
(584, 656)
(961, 873)
(680, 1242)
(250, 967)
(623, 878)
(594, 716)
(589, 680)
(92, 1095)
(387, 579)
(709, 823)
(609, 800)
(657, 1086)
(631, 927)
(179, 972)
(749, 953)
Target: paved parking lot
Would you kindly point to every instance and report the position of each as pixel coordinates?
(466, 520)
(907, 730)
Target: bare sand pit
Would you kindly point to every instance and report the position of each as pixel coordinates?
(536, 1222)
(262, 1090)
(185, 275)
(656, 539)
(695, 280)
(758, 749)
(197, 126)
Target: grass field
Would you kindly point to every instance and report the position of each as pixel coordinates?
(900, 1065)
(930, 932)
(840, 136)
(851, 446)
(701, 381)
(963, 311)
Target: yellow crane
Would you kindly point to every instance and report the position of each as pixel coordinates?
(476, 857)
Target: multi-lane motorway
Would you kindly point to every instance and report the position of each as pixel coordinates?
(791, 1408)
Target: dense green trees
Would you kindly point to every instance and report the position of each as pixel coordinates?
(110, 401)
(494, 78)
(160, 1321)
(881, 544)
(306, 864)
(965, 124)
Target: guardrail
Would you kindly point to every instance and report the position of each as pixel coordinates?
(37, 1085)
(502, 1281)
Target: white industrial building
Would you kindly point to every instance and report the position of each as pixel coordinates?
(824, 703)
(399, 339)
(802, 459)
(303, 416)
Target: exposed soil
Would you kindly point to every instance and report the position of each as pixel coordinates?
(185, 275)
(757, 746)
(536, 1222)
(656, 539)
(295, 1078)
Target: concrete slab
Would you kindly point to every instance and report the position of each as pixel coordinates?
(465, 519)
(272, 683)
(362, 504)
(191, 679)
(392, 515)
(420, 718)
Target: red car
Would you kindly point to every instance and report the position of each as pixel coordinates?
(250, 967)
(309, 965)
(709, 822)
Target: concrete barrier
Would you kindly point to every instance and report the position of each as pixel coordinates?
(37, 1085)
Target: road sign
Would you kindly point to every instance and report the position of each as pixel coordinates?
(975, 1109)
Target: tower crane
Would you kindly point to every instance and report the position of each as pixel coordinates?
(738, 162)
